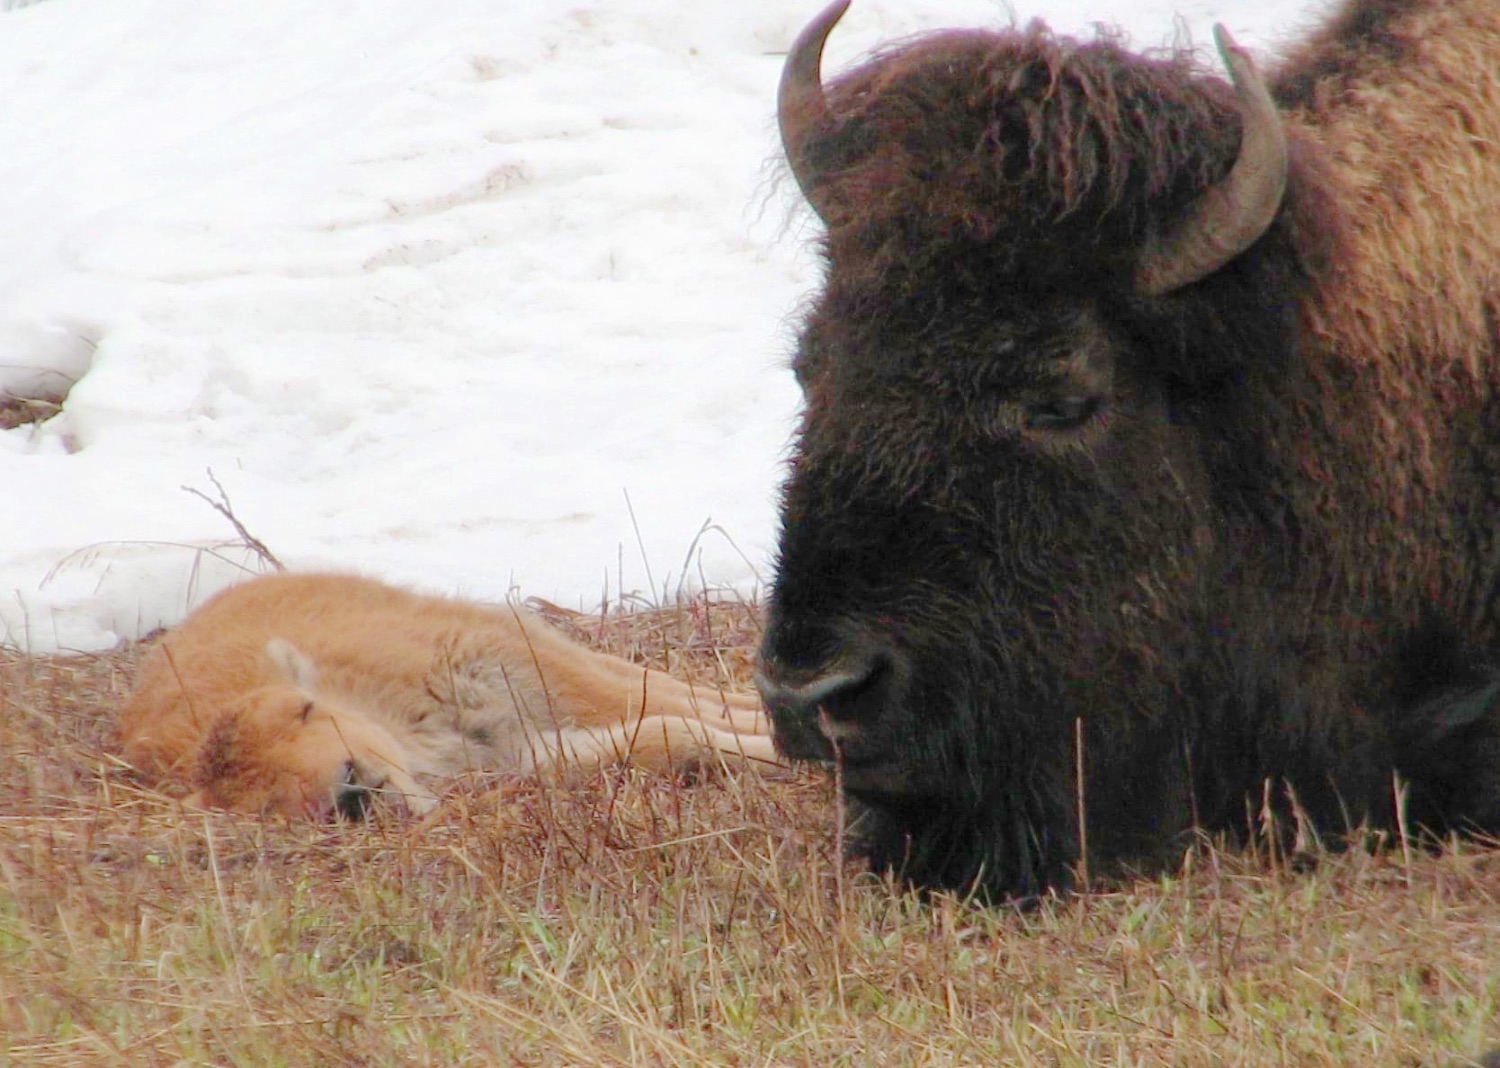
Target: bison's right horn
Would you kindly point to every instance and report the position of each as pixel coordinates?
(1230, 216)
(801, 109)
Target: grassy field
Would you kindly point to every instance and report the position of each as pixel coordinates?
(635, 920)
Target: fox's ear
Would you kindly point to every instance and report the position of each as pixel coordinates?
(298, 668)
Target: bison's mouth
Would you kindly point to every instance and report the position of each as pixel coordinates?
(798, 737)
(874, 768)
(877, 782)
(864, 764)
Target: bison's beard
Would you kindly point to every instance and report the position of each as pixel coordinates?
(984, 801)
(991, 849)
(990, 805)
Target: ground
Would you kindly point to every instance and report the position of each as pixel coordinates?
(637, 920)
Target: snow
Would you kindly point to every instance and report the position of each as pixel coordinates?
(481, 296)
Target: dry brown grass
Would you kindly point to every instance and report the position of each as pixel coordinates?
(24, 411)
(642, 921)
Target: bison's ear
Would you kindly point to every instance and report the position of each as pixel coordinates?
(298, 668)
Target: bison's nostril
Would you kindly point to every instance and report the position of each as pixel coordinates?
(858, 692)
(830, 704)
(811, 690)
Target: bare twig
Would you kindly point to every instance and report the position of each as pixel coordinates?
(645, 557)
(226, 509)
(840, 847)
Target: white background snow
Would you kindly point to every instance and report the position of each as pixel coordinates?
(429, 288)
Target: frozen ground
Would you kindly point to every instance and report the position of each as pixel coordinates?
(438, 292)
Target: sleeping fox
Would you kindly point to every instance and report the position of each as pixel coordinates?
(308, 694)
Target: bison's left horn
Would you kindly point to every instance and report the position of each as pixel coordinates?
(1229, 217)
(801, 109)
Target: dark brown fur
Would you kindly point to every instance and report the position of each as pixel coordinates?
(1273, 556)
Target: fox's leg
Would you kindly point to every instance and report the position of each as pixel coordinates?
(598, 689)
(665, 695)
(662, 743)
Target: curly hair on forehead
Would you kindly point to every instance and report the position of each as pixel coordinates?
(1020, 138)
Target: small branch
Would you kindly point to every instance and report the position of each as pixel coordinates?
(226, 509)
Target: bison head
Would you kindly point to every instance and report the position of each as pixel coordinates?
(1026, 474)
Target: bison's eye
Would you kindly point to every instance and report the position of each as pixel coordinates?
(1062, 413)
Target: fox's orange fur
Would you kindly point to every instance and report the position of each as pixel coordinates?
(302, 694)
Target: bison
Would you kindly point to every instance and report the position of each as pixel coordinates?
(1148, 477)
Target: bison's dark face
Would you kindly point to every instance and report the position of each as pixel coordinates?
(990, 532)
(1000, 530)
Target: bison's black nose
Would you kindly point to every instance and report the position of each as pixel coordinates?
(835, 702)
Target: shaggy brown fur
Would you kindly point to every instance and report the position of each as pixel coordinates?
(1408, 309)
(304, 694)
(1265, 545)
(967, 137)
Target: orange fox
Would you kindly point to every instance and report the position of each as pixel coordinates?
(309, 694)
